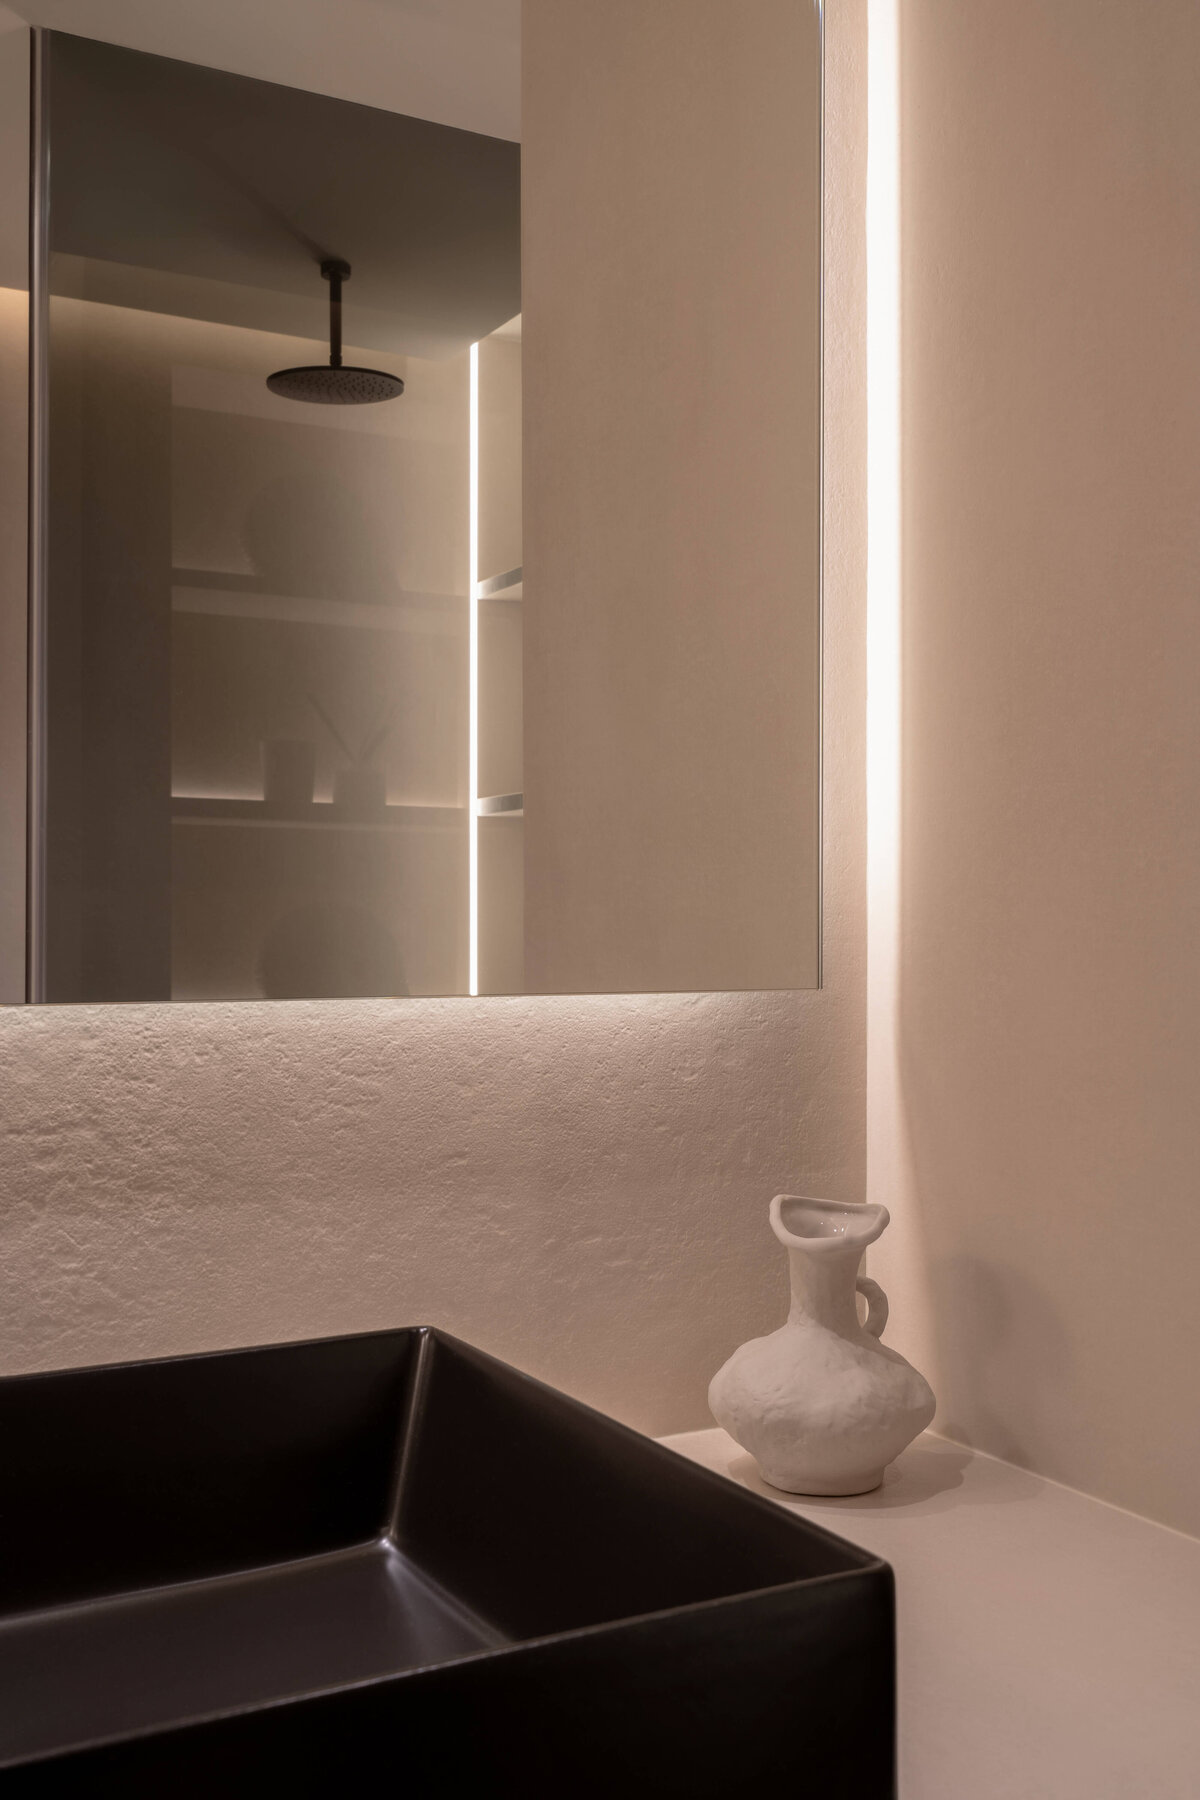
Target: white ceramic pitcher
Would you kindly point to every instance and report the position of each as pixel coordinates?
(821, 1404)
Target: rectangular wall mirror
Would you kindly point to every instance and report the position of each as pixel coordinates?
(415, 610)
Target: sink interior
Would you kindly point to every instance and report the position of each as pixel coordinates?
(208, 1534)
(78, 1674)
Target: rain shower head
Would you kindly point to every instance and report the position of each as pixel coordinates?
(330, 384)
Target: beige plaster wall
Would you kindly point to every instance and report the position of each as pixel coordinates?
(579, 1185)
(671, 220)
(1050, 980)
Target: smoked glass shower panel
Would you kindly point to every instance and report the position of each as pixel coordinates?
(274, 707)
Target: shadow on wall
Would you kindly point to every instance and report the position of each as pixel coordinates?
(1003, 1356)
(337, 535)
(330, 951)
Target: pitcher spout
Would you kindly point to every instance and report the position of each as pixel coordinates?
(826, 1228)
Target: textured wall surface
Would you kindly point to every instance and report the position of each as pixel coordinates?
(580, 1185)
(1050, 1005)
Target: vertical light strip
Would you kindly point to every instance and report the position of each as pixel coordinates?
(473, 688)
(37, 725)
(884, 1109)
(900, 1258)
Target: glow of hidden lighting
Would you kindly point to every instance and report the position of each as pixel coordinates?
(473, 687)
(883, 584)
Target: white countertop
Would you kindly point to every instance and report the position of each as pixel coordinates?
(1049, 1645)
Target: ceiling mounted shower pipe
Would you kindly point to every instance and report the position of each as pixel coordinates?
(333, 384)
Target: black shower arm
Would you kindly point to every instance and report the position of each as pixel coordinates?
(335, 272)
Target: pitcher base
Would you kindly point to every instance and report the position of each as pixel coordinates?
(837, 1489)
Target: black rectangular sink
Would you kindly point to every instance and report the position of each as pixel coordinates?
(289, 1570)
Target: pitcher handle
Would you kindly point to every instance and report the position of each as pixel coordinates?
(877, 1305)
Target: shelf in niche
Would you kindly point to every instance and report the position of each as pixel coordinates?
(501, 806)
(321, 815)
(508, 586)
(216, 594)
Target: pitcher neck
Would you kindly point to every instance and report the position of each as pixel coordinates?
(823, 1290)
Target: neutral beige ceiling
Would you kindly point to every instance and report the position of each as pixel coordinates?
(456, 62)
(453, 62)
